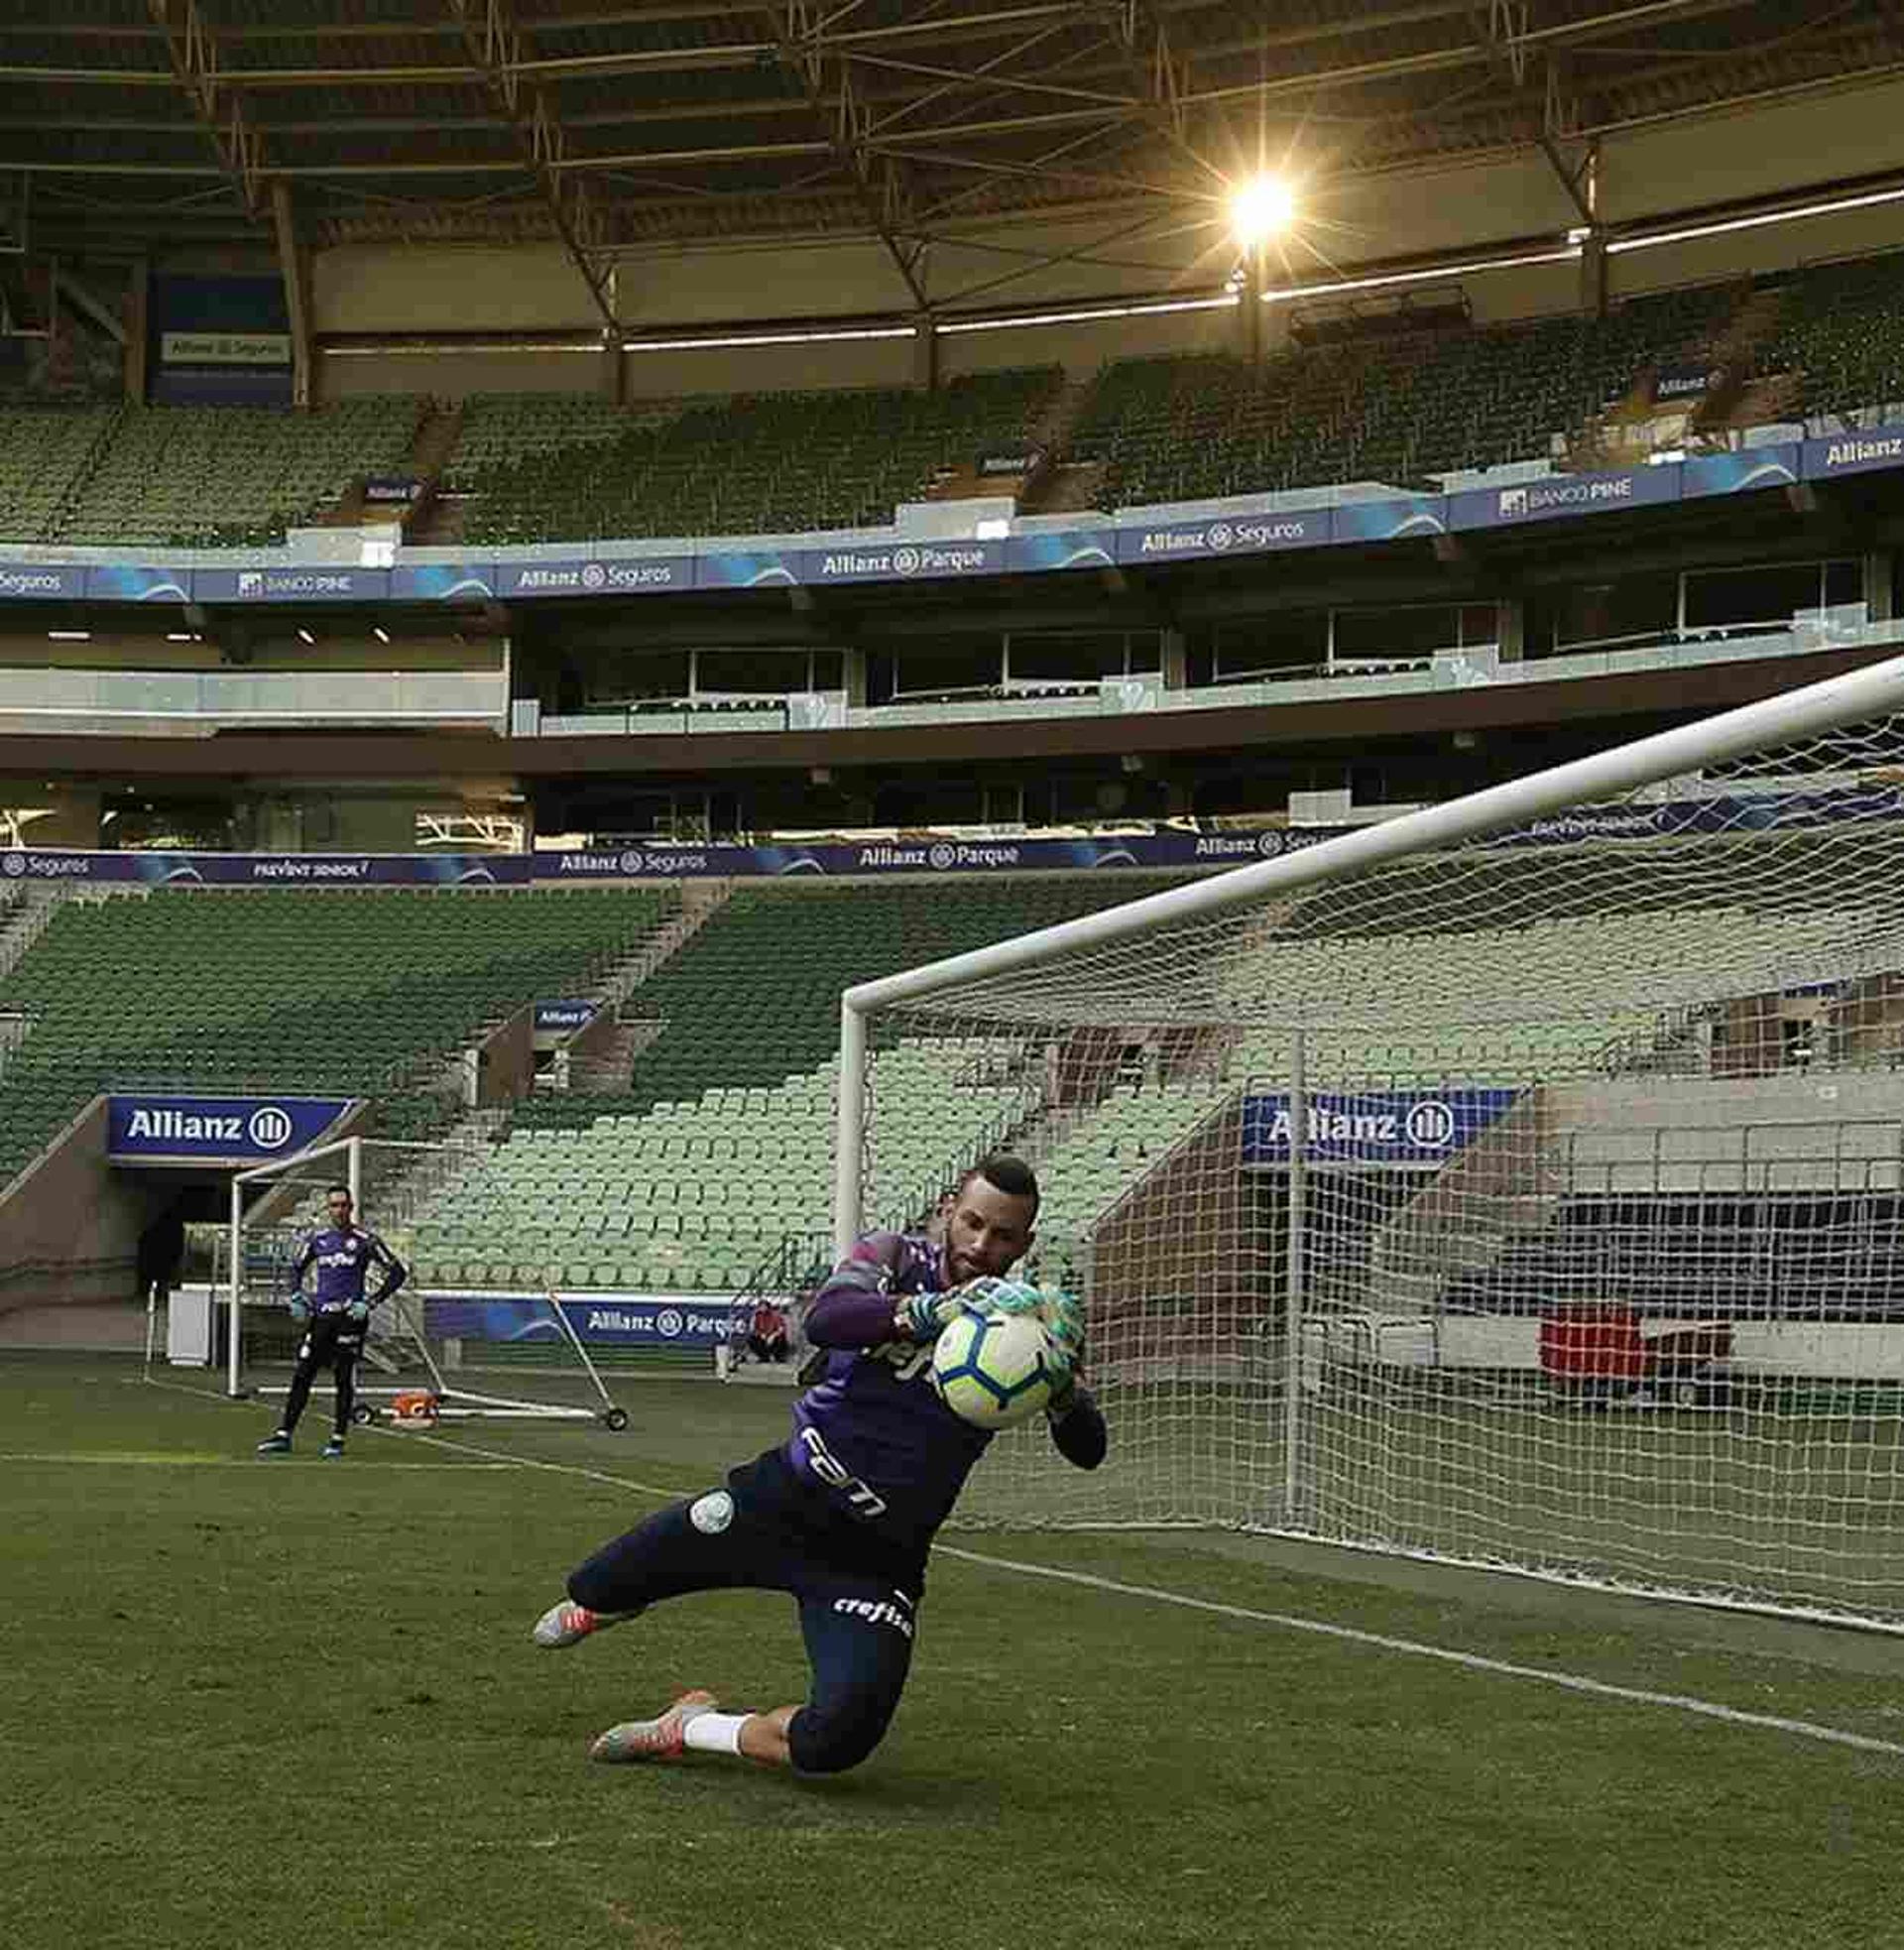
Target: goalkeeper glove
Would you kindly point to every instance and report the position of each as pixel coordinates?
(924, 1317)
(300, 1308)
(991, 1295)
(1061, 1315)
(1064, 1319)
(358, 1312)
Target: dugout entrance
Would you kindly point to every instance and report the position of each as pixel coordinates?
(418, 1365)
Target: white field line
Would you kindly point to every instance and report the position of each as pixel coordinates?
(1571, 1682)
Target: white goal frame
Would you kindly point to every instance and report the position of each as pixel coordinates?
(1807, 711)
(450, 1399)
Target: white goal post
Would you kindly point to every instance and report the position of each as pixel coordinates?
(1518, 1181)
(414, 1369)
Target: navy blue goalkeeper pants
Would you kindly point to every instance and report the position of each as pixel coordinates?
(332, 1339)
(765, 1532)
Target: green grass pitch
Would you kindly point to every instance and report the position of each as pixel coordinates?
(278, 1704)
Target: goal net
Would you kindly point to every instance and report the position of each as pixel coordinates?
(1514, 1182)
(430, 1354)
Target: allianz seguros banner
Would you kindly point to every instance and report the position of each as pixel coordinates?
(217, 1130)
(1371, 1127)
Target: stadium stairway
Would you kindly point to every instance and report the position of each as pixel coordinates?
(687, 1181)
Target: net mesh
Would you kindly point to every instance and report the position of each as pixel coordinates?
(1533, 1202)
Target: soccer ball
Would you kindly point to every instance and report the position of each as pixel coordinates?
(994, 1370)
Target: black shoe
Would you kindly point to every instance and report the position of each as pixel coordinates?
(333, 1449)
(275, 1445)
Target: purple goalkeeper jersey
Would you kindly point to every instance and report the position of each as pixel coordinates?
(871, 1434)
(344, 1256)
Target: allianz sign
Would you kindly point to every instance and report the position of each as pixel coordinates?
(1394, 1126)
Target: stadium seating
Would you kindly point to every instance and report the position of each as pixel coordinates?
(1405, 408)
(1400, 410)
(43, 455)
(724, 1142)
(286, 990)
(753, 464)
(225, 477)
(1839, 329)
(501, 429)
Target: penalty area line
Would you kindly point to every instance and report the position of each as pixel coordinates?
(1573, 1682)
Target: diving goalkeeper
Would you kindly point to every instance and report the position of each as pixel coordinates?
(336, 1315)
(842, 1514)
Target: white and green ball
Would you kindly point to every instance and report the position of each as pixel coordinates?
(994, 1370)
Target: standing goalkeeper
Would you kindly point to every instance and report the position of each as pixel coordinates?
(842, 1514)
(337, 1314)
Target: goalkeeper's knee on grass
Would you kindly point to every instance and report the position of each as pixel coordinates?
(830, 1738)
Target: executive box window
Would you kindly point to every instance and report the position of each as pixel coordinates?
(928, 666)
(1602, 613)
(1404, 632)
(1615, 612)
(1309, 642)
(1251, 650)
(769, 673)
(1081, 656)
(1735, 598)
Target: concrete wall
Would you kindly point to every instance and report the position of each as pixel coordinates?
(1177, 1268)
(73, 1215)
(24, 650)
(505, 1061)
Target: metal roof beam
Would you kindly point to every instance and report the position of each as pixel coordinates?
(195, 51)
(879, 182)
(495, 43)
(1503, 33)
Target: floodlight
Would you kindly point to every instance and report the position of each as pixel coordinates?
(1260, 208)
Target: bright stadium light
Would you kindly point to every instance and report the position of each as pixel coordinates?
(1260, 208)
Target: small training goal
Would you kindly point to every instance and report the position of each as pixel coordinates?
(431, 1354)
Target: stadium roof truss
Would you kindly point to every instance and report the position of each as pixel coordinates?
(614, 128)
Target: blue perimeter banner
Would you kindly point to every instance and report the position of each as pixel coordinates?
(1818, 807)
(1373, 1127)
(269, 869)
(217, 1130)
(936, 857)
(611, 1319)
(565, 1014)
(1088, 543)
